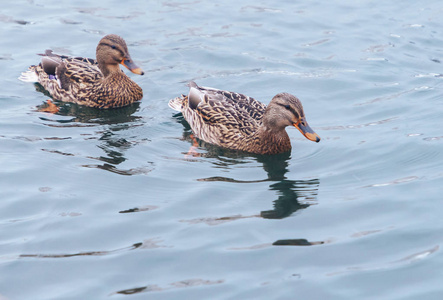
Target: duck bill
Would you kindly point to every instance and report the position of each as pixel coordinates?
(128, 63)
(307, 131)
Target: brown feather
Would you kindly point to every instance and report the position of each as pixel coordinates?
(96, 83)
(235, 121)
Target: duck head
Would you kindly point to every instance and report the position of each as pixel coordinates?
(286, 110)
(112, 51)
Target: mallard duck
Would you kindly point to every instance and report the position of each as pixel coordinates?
(235, 121)
(96, 83)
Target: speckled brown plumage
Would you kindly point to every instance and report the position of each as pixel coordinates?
(235, 121)
(96, 83)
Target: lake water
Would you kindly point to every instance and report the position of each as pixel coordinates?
(107, 205)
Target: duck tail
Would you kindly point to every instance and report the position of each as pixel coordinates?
(29, 76)
(177, 103)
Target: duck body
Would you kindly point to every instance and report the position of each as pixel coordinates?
(239, 122)
(98, 83)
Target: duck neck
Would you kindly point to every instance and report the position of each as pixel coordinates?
(272, 133)
(273, 140)
(108, 70)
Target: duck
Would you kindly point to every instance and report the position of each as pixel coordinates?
(238, 122)
(98, 83)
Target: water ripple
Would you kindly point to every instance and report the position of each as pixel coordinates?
(434, 138)
(146, 244)
(343, 127)
(396, 181)
(8, 19)
(126, 172)
(139, 209)
(173, 285)
(260, 9)
(415, 257)
(319, 42)
(87, 253)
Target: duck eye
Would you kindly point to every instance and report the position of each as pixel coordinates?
(113, 47)
(287, 106)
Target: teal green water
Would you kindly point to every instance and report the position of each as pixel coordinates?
(106, 204)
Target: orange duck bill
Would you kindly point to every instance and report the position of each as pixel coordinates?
(307, 131)
(128, 63)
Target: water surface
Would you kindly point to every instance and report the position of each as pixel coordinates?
(106, 204)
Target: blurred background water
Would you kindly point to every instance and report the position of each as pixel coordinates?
(106, 204)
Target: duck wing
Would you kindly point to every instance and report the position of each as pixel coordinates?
(238, 105)
(70, 70)
(227, 119)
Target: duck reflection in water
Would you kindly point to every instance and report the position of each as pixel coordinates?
(289, 192)
(292, 195)
(110, 138)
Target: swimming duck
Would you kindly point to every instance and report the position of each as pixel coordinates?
(235, 121)
(96, 83)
